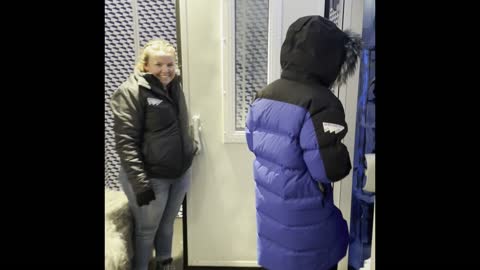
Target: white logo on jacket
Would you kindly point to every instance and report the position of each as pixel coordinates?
(154, 101)
(331, 127)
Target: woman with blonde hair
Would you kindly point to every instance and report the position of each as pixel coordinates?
(151, 126)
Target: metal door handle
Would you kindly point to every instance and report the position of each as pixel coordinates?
(196, 132)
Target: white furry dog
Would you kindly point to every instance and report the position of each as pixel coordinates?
(118, 231)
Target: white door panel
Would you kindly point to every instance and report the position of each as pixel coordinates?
(221, 201)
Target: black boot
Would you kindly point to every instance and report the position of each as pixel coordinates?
(165, 265)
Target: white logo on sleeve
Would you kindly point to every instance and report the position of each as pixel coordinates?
(154, 101)
(331, 127)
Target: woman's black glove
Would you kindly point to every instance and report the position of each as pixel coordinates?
(145, 197)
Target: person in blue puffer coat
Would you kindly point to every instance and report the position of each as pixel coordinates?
(295, 128)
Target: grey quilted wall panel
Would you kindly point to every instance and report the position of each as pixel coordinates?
(251, 54)
(156, 19)
(153, 19)
(119, 60)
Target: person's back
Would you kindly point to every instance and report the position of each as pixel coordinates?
(294, 127)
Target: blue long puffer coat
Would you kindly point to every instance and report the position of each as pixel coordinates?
(294, 127)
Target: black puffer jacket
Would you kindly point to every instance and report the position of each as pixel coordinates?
(151, 126)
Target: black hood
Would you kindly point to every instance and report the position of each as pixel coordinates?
(315, 49)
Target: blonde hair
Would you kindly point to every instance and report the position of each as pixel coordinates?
(156, 45)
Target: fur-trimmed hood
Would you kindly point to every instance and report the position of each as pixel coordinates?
(315, 49)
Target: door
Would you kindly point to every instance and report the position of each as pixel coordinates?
(220, 206)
